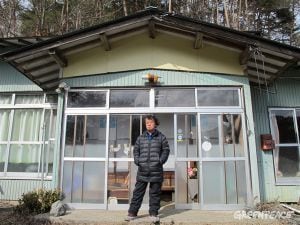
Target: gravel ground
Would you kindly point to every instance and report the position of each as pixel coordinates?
(169, 216)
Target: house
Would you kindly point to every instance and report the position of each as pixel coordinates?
(72, 106)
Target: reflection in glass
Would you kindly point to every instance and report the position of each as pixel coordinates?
(283, 126)
(24, 158)
(218, 97)
(175, 98)
(51, 98)
(83, 182)
(188, 182)
(129, 98)
(287, 161)
(87, 99)
(187, 136)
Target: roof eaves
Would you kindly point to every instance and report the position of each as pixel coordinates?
(147, 12)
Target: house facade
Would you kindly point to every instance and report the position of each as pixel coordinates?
(72, 107)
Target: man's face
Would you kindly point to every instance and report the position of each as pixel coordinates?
(150, 125)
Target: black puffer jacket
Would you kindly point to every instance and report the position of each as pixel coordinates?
(150, 155)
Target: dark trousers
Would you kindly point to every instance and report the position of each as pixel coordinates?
(138, 195)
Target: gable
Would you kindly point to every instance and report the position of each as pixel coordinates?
(163, 52)
(12, 80)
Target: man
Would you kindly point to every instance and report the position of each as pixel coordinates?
(150, 152)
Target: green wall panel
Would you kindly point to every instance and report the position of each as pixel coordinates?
(284, 93)
(13, 81)
(137, 78)
(13, 189)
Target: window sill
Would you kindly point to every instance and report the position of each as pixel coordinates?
(25, 178)
(288, 181)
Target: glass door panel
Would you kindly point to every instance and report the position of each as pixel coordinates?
(187, 161)
(188, 182)
(83, 178)
(83, 182)
(223, 159)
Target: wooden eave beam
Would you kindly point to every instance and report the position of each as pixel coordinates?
(40, 67)
(260, 66)
(24, 41)
(105, 42)
(58, 57)
(244, 56)
(151, 27)
(198, 40)
(254, 72)
(43, 75)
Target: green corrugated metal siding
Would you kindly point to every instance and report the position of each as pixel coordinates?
(286, 94)
(13, 81)
(135, 78)
(169, 78)
(13, 189)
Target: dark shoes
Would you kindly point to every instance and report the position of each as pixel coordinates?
(130, 217)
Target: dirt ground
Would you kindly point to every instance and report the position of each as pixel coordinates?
(8, 217)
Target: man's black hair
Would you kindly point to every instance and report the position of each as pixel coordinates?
(152, 117)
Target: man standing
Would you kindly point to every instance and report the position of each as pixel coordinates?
(150, 152)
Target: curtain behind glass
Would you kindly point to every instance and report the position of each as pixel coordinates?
(27, 124)
(4, 124)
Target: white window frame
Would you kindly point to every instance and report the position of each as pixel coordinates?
(284, 180)
(12, 107)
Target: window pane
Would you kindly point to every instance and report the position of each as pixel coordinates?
(126, 98)
(5, 98)
(283, 126)
(214, 189)
(287, 161)
(2, 157)
(27, 125)
(29, 99)
(119, 137)
(188, 182)
(232, 136)
(218, 97)
(24, 158)
(187, 136)
(52, 98)
(83, 182)
(85, 136)
(119, 182)
(210, 141)
(50, 117)
(4, 124)
(175, 98)
(87, 99)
